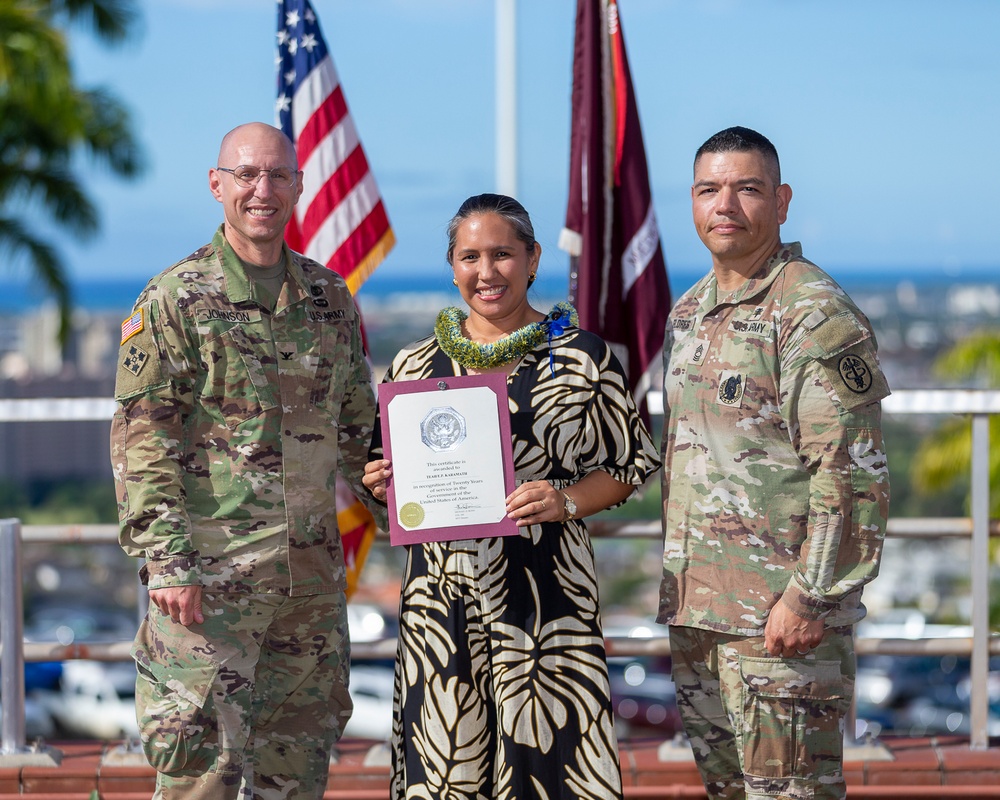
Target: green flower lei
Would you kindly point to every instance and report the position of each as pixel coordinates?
(448, 331)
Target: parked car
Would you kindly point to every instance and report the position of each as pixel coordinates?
(94, 700)
(79, 623)
(91, 699)
(84, 699)
(370, 623)
(38, 722)
(371, 691)
(643, 695)
(921, 695)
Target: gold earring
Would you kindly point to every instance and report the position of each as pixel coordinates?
(455, 281)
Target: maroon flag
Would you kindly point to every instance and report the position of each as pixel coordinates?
(618, 276)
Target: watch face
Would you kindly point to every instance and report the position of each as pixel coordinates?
(570, 504)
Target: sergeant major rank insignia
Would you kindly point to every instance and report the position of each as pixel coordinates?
(697, 350)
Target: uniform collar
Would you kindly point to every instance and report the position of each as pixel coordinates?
(237, 283)
(707, 289)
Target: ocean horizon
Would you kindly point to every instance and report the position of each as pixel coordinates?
(119, 293)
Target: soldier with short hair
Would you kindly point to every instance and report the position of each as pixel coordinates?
(242, 391)
(775, 489)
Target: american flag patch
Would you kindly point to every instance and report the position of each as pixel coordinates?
(132, 326)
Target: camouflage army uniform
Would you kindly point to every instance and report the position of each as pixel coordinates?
(233, 421)
(774, 487)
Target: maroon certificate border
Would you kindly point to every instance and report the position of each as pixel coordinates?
(497, 383)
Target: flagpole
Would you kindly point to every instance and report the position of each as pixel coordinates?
(506, 97)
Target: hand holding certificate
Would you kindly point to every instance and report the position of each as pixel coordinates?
(450, 445)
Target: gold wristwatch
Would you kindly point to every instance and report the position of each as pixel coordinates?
(569, 507)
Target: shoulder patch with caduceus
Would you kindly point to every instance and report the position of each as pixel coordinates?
(855, 372)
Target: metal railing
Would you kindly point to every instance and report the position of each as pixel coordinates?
(979, 404)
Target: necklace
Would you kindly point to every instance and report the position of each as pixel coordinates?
(448, 331)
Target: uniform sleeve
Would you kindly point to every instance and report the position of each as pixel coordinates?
(831, 390)
(665, 434)
(356, 424)
(153, 388)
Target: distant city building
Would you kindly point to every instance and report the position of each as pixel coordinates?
(914, 321)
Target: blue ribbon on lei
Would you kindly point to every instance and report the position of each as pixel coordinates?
(556, 325)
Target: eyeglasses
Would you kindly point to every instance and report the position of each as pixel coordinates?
(280, 177)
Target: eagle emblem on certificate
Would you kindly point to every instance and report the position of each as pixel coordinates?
(442, 429)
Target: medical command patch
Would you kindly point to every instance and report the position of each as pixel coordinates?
(857, 375)
(857, 371)
(132, 325)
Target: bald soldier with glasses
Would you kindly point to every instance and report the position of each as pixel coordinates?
(242, 390)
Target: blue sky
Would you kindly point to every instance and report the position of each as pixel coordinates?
(885, 114)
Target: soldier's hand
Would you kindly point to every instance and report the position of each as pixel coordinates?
(376, 474)
(181, 603)
(787, 635)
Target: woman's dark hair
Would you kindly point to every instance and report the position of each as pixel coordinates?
(500, 204)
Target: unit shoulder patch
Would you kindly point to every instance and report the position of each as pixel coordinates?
(139, 367)
(855, 372)
(856, 376)
(135, 359)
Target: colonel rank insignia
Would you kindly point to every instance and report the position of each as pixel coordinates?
(135, 359)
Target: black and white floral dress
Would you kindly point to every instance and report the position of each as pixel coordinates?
(501, 680)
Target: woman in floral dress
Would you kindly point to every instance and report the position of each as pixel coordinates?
(501, 679)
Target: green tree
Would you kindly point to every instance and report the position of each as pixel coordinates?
(47, 122)
(944, 458)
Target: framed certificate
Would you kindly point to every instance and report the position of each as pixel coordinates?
(452, 462)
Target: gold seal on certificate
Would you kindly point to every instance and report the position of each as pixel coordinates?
(452, 466)
(411, 514)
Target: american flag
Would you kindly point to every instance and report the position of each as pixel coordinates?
(132, 325)
(340, 220)
(618, 275)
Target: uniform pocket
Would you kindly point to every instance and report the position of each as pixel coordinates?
(174, 705)
(330, 358)
(237, 382)
(783, 703)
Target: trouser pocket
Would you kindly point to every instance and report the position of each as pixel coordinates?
(174, 706)
(791, 718)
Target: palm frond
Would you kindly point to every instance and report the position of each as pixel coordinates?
(46, 265)
(975, 357)
(110, 20)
